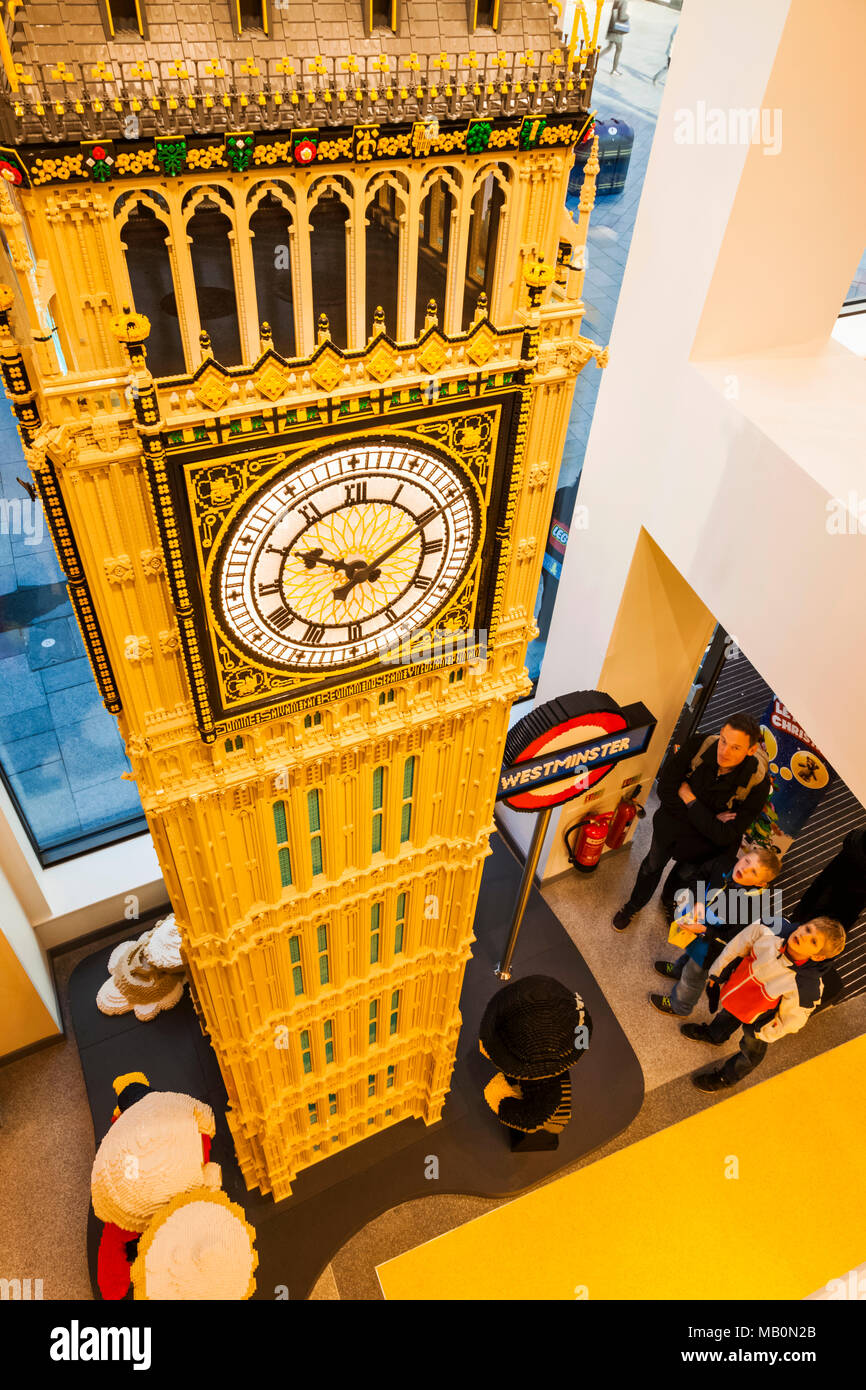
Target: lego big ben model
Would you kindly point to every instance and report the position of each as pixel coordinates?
(293, 355)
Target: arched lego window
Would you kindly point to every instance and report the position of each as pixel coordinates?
(209, 229)
(269, 235)
(487, 205)
(434, 240)
(385, 207)
(144, 237)
(329, 223)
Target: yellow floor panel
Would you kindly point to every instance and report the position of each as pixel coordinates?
(667, 1219)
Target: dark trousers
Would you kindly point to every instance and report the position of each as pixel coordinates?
(752, 1050)
(649, 876)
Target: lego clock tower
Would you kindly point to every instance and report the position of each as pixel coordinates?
(304, 557)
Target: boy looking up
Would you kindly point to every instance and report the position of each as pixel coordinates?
(771, 985)
(716, 907)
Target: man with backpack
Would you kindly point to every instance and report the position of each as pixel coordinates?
(710, 792)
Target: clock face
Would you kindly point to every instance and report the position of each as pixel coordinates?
(353, 550)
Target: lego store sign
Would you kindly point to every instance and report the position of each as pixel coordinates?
(566, 746)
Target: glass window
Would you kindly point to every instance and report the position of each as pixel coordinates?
(61, 755)
(282, 835)
(400, 923)
(408, 792)
(610, 230)
(375, 914)
(483, 241)
(374, 1020)
(297, 969)
(144, 238)
(315, 832)
(269, 229)
(378, 785)
(322, 941)
(328, 1029)
(328, 226)
(213, 273)
(395, 1011)
(434, 238)
(383, 257)
(306, 1053)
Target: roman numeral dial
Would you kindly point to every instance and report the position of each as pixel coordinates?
(365, 546)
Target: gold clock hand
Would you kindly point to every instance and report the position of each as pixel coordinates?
(371, 571)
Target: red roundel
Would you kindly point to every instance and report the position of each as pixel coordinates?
(305, 152)
(9, 172)
(98, 152)
(596, 724)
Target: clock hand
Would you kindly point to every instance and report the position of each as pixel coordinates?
(361, 572)
(311, 558)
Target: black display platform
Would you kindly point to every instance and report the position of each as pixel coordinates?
(297, 1238)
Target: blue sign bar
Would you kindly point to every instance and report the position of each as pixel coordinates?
(568, 762)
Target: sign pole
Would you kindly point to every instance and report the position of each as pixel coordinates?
(542, 821)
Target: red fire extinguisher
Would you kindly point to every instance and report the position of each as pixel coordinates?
(590, 841)
(627, 811)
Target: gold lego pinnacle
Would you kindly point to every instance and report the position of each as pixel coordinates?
(307, 583)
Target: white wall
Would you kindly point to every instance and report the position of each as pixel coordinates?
(727, 419)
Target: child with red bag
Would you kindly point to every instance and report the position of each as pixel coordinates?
(771, 984)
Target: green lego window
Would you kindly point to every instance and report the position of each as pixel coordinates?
(282, 834)
(400, 915)
(392, 1075)
(395, 1011)
(375, 915)
(322, 942)
(306, 1052)
(408, 791)
(378, 799)
(374, 1020)
(297, 970)
(314, 817)
(328, 1030)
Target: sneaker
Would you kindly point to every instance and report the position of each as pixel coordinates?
(621, 919)
(698, 1032)
(668, 968)
(662, 1002)
(710, 1081)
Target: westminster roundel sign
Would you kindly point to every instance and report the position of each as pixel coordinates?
(564, 747)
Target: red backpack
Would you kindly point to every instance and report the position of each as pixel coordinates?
(743, 995)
